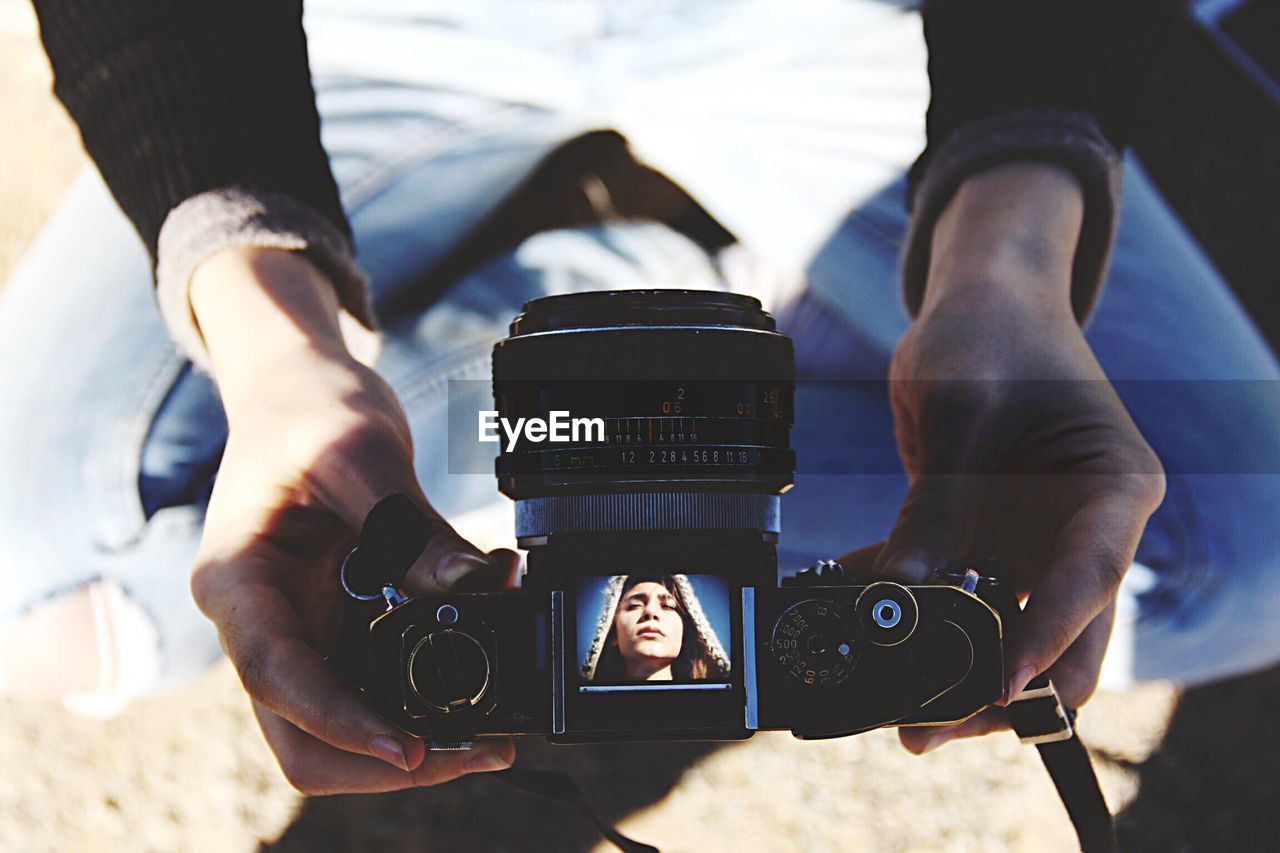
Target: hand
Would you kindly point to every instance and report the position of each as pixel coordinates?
(316, 439)
(1015, 443)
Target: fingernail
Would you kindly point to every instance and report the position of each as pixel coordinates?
(910, 565)
(389, 750)
(487, 763)
(1017, 682)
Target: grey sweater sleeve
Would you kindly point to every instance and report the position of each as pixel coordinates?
(1067, 137)
(201, 118)
(214, 220)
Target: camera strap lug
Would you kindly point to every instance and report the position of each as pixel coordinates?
(1037, 715)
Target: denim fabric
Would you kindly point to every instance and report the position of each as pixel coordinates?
(794, 131)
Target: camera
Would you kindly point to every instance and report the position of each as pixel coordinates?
(651, 606)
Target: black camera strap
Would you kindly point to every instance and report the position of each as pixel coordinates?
(1039, 718)
(558, 786)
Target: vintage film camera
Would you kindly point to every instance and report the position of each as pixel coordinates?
(651, 607)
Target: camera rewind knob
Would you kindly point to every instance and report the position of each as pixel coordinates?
(449, 670)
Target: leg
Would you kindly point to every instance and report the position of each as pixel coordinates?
(109, 450)
(419, 163)
(74, 430)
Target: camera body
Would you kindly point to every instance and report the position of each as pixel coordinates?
(816, 655)
(651, 607)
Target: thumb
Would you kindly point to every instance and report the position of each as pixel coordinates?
(932, 526)
(451, 563)
(403, 526)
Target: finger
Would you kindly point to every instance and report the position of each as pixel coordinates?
(1094, 550)
(451, 563)
(860, 564)
(370, 466)
(264, 638)
(950, 436)
(1075, 674)
(932, 526)
(509, 561)
(445, 561)
(922, 739)
(315, 768)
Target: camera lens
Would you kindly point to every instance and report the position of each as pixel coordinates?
(675, 408)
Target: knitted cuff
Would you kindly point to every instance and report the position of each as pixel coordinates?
(1069, 137)
(233, 217)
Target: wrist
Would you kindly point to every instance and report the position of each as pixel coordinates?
(258, 308)
(1009, 233)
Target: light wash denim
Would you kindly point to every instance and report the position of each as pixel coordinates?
(793, 125)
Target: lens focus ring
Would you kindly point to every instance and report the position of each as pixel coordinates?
(684, 391)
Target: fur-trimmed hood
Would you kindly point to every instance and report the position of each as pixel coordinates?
(612, 593)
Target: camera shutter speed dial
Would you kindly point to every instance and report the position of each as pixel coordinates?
(449, 670)
(815, 643)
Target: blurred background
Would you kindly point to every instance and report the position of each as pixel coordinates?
(1195, 771)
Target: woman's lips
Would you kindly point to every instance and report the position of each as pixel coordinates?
(649, 632)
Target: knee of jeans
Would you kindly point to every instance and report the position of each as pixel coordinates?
(1216, 571)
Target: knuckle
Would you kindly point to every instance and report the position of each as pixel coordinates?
(204, 586)
(1155, 484)
(200, 588)
(1103, 562)
(1112, 574)
(1075, 684)
(1110, 566)
(378, 428)
(1143, 481)
(254, 668)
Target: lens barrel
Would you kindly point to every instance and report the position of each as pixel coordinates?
(676, 406)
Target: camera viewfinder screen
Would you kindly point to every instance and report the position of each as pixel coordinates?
(653, 629)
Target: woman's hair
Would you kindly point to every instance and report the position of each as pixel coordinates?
(692, 664)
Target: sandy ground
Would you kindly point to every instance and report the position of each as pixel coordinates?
(191, 772)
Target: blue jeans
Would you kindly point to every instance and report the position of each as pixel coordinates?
(109, 441)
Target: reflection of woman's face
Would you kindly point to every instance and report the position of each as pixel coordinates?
(650, 630)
